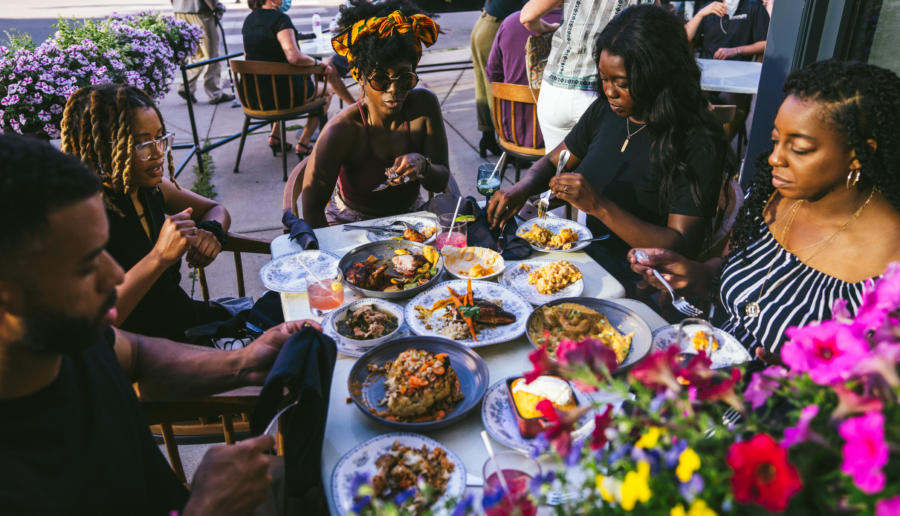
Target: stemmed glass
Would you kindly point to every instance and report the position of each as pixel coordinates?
(486, 181)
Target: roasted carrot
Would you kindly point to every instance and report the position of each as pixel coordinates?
(469, 321)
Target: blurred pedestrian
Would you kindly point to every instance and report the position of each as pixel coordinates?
(204, 14)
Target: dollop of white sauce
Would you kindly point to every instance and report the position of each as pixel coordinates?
(552, 388)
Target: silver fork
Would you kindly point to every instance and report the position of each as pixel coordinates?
(729, 418)
(558, 497)
(270, 430)
(679, 302)
(544, 201)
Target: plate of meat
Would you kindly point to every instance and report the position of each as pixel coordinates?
(415, 228)
(391, 269)
(418, 383)
(473, 313)
(393, 463)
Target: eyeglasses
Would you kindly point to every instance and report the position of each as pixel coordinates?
(144, 151)
(404, 81)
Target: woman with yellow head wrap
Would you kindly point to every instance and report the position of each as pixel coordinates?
(395, 132)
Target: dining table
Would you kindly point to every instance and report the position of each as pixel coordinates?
(346, 426)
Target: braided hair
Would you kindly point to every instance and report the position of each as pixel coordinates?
(861, 102)
(371, 52)
(97, 128)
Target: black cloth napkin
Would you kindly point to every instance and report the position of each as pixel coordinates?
(304, 366)
(479, 232)
(300, 230)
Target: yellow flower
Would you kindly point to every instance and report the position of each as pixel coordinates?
(678, 510)
(699, 508)
(650, 438)
(688, 463)
(605, 485)
(635, 487)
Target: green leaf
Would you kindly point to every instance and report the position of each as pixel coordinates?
(469, 311)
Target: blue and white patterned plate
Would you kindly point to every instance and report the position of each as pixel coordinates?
(419, 222)
(512, 302)
(288, 274)
(516, 278)
(356, 347)
(361, 460)
(730, 353)
(500, 421)
(556, 224)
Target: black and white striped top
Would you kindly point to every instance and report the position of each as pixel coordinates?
(794, 293)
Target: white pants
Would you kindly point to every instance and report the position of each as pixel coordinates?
(558, 110)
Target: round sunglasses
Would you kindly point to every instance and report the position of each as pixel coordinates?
(381, 81)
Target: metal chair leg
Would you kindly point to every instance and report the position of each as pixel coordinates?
(241, 146)
(283, 125)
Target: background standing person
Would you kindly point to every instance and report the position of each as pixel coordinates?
(494, 12)
(203, 14)
(570, 78)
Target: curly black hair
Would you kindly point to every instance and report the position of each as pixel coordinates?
(664, 82)
(35, 181)
(372, 52)
(860, 101)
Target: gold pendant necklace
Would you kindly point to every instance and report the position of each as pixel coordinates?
(629, 133)
(752, 308)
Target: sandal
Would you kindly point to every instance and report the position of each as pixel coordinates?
(303, 150)
(275, 144)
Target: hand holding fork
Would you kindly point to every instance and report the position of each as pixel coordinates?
(641, 261)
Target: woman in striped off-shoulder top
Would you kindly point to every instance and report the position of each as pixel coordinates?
(822, 217)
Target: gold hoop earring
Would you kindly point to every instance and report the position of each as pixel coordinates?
(853, 178)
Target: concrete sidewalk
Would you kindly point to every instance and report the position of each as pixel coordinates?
(253, 196)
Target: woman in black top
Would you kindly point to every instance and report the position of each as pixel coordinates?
(269, 35)
(119, 133)
(648, 157)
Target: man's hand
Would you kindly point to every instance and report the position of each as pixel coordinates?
(260, 354)
(727, 53)
(231, 479)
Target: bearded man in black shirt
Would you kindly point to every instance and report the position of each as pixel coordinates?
(73, 439)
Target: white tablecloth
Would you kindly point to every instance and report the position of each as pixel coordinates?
(347, 427)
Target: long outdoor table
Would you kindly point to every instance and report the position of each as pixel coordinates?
(347, 427)
(729, 76)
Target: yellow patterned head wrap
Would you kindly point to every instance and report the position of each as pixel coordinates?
(422, 27)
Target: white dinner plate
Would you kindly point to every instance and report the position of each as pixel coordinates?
(361, 459)
(512, 302)
(459, 260)
(730, 353)
(556, 224)
(516, 278)
(419, 222)
(288, 273)
(500, 420)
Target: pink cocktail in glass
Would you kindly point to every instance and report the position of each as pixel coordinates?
(517, 471)
(325, 295)
(455, 239)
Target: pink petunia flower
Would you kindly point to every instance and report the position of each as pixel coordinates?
(882, 362)
(797, 434)
(850, 403)
(879, 300)
(888, 506)
(827, 351)
(865, 451)
(762, 384)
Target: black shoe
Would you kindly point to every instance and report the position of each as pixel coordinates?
(184, 95)
(488, 143)
(222, 97)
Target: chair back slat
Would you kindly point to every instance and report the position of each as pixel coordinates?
(504, 94)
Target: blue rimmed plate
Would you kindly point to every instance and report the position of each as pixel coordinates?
(361, 460)
(730, 353)
(420, 222)
(288, 273)
(367, 389)
(555, 225)
(516, 278)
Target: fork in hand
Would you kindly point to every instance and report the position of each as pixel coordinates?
(544, 201)
(679, 302)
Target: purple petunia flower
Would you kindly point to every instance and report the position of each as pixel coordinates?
(463, 507)
(690, 489)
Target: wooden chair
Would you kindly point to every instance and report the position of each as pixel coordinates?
(237, 244)
(513, 94)
(263, 75)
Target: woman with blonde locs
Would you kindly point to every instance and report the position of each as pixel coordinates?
(118, 132)
(394, 133)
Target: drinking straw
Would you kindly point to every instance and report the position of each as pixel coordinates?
(311, 273)
(498, 166)
(490, 450)
(453, 220)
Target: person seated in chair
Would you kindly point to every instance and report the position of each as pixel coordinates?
(74, 439)
(393, 133)
(119, 134)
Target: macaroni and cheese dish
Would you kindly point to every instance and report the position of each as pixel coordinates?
(543, 237)
(554, 276)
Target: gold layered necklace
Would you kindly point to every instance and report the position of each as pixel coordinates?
(752, 309)
(629, 133)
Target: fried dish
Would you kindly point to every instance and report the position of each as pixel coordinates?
(404, 270)
(367, 322)
(419, 386)
(543, 237)
(554, 276)
(400, 468)
(462, 314)
(576, 322)
(419, 236)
